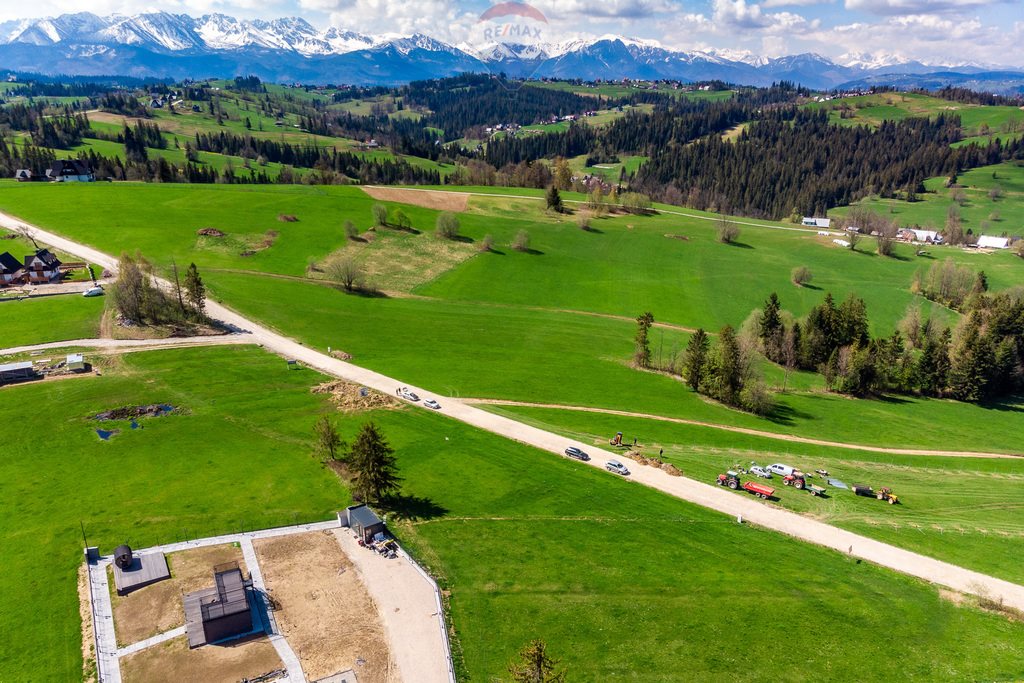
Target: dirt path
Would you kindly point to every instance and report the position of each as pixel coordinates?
(743, 430)
(127, 345)
(699, 493)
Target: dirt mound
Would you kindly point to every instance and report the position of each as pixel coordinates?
(671, 469)
(210, 232)
(128, 412)
(351, 397)
(287, 218)
(341, 355)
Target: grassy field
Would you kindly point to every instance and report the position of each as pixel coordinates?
(980, 213)
(528, 544)
(872, 110)
(465, 317)
(963, 510)
(48, 319)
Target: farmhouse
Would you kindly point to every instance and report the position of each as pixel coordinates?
(11, 270)
(363, 521)
(989, 242)
(221, 611)
(817, 222)
(25, 175)
(69, 171)
(42, 267)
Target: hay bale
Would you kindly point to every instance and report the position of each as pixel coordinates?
(671, 469)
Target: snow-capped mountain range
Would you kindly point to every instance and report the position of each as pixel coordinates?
(161, 44)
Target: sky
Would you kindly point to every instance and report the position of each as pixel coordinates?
(984, 32)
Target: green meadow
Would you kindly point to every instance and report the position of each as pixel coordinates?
(506, 325)
(48, 319)
(965, 511)
(979, 212)
(616, 578)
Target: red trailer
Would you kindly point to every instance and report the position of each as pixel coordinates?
(759, 490)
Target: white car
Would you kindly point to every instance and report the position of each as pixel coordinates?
(432, 404)
(403, 392)
(616, 467)
(760, 472)
(780, 469)
(93, 291)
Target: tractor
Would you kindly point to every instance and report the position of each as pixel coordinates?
(617, 441)
(885, 493)
(730, 479)
(796, 480)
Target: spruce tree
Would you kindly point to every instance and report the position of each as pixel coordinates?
(195, 290)
(642, 350)
(373, 462)
(697, 359)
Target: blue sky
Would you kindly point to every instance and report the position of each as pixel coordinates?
(934, 31)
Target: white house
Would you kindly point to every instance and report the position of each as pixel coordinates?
(817, 222)
(69, 171)
(42, 267)
(990, 242)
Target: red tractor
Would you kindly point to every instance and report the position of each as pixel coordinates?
(796, 480)
(732, 480)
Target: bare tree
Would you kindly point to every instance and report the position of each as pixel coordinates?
(521, 241)
(801, 276)
(447, 225)
(728, 232)
(29, 234)
(346, 272)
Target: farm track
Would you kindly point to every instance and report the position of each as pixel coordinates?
(490, 304)
(669, 212)
(741, 508)
(743, 430)
(128, 345)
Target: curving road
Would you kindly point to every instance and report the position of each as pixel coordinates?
(739, 506)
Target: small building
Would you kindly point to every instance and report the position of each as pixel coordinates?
(363, 521)
(11, 270)
(76, 363)
(25, 175)
(17, 372)
(927, 236)
(42, 267)
(69, 171)
(221, 611)
(990, 242)
(817, 222)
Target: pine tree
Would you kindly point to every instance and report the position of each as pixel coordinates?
(535, 666)
(195, 290)
(642, 350)
(697, 359)
(553, 199)
(771, 329)
(373, 462)
(728, 367)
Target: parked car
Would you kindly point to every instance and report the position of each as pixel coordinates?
(616, 467)
(432, 404)
(95, 290)
(574, 452)
(780, 469)
(403, 392)
(759, 471)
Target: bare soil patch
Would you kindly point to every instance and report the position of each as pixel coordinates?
(173, 662)
(428, 199)
(158, 608)
(325, 611)
(349, 398)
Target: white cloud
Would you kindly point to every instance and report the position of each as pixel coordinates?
(908, 7)
(794, 3)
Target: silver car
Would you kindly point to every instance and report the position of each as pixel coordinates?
(432, 404)
(758, 471)
(616, 467)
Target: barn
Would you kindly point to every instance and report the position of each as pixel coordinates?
(363, 521)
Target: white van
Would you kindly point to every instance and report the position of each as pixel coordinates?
(780, 469)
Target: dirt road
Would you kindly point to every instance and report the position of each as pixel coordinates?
(792, 438)
(706, 495)
(126, 345)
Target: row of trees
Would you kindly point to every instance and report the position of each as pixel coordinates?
(981, 358)
(724, 370)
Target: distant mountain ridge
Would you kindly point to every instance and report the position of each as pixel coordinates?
(162, 44)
